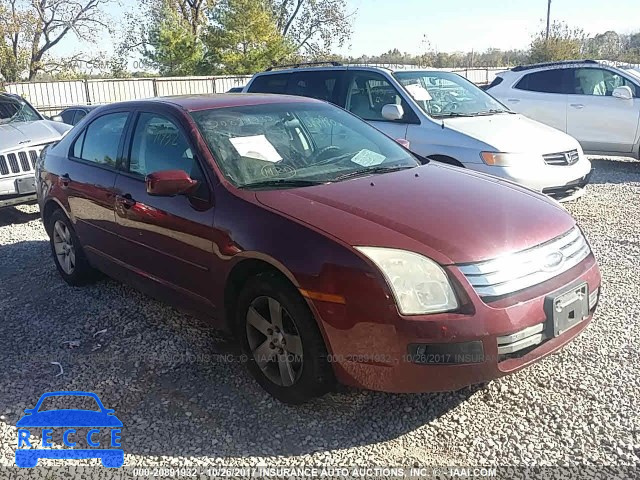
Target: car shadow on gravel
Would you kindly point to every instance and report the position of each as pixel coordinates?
(614, 171)
(12, 216)
(177, 385)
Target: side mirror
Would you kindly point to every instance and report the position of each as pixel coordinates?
(393, 112)
(57, 118)
(29, 411)
(404, 142)
(169, 183)
(623, 93)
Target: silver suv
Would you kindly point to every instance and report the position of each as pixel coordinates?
(23, 135)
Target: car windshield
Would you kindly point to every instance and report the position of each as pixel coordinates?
(67, 402)
(292, 145)
(13, 110)
(444, 94)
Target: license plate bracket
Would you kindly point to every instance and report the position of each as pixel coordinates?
(26, 185)
(568, 308)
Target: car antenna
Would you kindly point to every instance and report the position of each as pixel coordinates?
(442, 124)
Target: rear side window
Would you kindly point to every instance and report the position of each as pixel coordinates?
(269, 84)
(99, 142)
(548, 81)
(67, 116)
(80, 114)
(321, 85)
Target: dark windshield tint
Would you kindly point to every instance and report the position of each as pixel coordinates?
(14, 110)
(297, 142)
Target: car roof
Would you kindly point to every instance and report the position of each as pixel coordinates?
(85, 107)
(564, 63)
(194, 103)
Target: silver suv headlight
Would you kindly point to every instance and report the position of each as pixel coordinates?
(419, 284)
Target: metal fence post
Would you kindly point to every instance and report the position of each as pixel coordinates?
(155, 88)
(86, 92)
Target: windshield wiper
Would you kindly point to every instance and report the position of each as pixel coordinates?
(452, 114)
(372, 171)
(493, 112)
(283, 182)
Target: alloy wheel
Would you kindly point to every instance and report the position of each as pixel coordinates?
(63, 245)
(274, 341)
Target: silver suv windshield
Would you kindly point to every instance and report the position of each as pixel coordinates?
(295, 144)
(14, 110)
(444, 94)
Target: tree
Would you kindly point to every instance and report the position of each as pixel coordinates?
(564, 43)
(243, 38)
(312, 26)
(29, 29)
(172, 48)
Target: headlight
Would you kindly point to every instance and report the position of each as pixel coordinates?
(506, 159)
(419, 284)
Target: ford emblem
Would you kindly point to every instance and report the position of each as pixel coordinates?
(553, 261)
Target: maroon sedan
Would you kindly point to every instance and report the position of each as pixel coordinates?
(327, 248)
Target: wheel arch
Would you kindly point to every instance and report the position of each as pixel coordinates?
(246, 267)
(51, 206)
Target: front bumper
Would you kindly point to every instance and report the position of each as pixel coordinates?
(17, 189)
(557, 181)
(373, 350)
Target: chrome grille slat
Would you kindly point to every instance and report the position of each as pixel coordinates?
(562, 158)
(20, 161)
(13, 163)
(520, 270)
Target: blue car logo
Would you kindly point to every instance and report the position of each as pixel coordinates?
(69, 419)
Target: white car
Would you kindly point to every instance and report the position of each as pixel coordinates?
(444, 117)
(24, 133)
(595, 103)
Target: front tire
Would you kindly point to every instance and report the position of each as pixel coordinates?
(285, 351)
(68, 255)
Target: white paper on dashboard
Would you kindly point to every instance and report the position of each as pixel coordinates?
(418, 92)
(367, 158)
(256, 146)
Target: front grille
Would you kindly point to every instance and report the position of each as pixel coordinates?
(517, 271)
(562, 158)
(20, 161)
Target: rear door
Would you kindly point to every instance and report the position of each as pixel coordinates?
(542, 96)
(88, 181)
(320, 84)
(367, 92)
(167, 240)
(599, 121)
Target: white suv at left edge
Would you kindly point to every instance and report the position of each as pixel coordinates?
(24, 133)
(596, 103)
(443, 116)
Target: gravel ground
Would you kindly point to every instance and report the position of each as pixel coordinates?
(185, 401)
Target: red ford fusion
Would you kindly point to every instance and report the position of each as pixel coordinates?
(332, 252)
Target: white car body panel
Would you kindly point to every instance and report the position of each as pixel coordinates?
(602, 124)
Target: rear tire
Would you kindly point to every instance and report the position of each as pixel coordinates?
(68, 255)
(279, 336)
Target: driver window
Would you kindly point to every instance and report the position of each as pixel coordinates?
(158, 144)
(368, 92)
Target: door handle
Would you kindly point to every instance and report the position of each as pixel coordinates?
(513, 100)
(579, 106)
(64, 181)
(126, 200)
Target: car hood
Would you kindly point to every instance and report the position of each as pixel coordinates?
(69, 418)
(513, 133)
(447, 213)
(26, 134)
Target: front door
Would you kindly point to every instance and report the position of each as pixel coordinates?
(167, 240)
(599, 121)
(367, 93)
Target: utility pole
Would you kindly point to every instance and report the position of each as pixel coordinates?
(548, 18)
